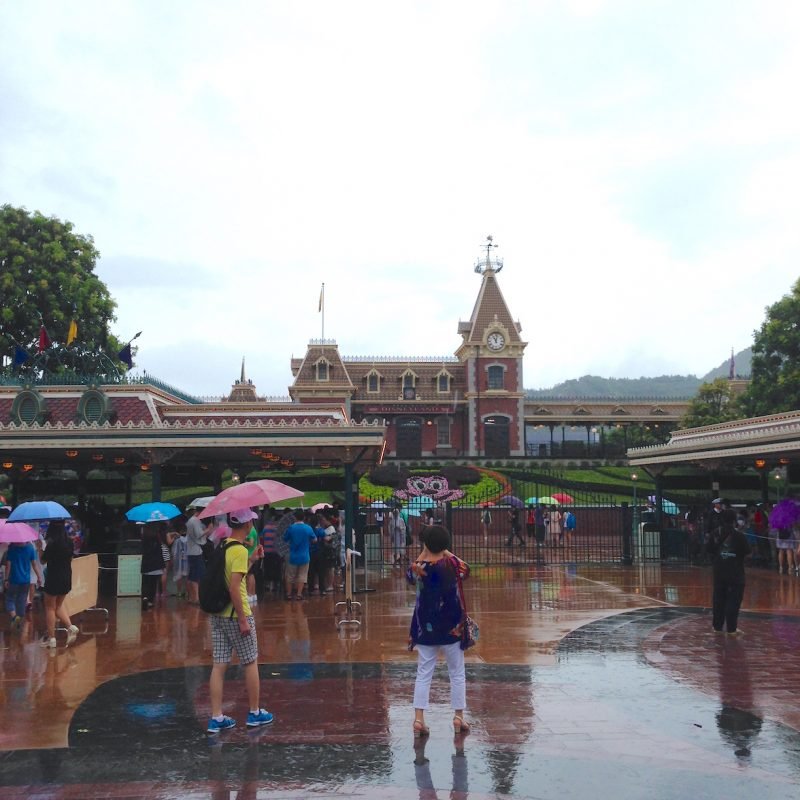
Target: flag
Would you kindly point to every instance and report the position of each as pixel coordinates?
(72, 333)
(44, 339)
(321, 297)
(20, 355)
(125, 356)
(732, 370)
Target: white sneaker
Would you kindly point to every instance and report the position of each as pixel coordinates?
(72, 634)
(49, 643)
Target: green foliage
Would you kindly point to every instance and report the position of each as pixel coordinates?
(715, 402)
(47, 276)
(639, 435)
(389, 475)
(775, 378)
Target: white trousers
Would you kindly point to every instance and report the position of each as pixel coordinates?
(427, 656)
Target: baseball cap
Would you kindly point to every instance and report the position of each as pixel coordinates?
(242, 516)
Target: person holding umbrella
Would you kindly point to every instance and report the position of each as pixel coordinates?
(17, 561)
(235, 629)
(57, 555)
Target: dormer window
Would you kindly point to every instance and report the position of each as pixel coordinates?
(323, 370)
(373, 383)
(409, 380)
(443, 382)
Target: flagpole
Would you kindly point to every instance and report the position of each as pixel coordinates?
(322, 309)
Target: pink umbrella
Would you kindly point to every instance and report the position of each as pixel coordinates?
(16, 532)
(320, 506)
(247, 495)
(219, 533)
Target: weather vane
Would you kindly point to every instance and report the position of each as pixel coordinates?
(488, 263)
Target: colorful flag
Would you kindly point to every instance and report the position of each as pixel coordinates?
(72, 333)
(125, 356)
(20, 355)
(44, 339)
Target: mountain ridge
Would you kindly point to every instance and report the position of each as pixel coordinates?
(672, 387)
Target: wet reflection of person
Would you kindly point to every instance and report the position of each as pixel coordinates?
(738, 725)
(422, 770)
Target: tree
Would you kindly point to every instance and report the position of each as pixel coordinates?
(47, 278)
(775, 378)
(714, 402)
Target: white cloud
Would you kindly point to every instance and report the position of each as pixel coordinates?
(229, 159)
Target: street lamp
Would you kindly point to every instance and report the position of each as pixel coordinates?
(777, 477)
(634, 478)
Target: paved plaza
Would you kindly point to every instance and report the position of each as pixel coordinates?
(588, 682)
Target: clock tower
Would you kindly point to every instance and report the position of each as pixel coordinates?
(491, 351)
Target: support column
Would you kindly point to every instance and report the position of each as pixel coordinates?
(350, 493)
(155, 471)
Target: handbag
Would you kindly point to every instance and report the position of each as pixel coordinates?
(470, 631)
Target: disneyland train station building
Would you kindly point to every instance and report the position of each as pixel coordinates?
(352, 411)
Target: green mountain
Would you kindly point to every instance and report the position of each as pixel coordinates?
(664, 386)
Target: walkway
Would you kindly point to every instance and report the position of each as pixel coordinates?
(588, 682)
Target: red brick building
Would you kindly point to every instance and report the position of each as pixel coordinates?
(468, 404)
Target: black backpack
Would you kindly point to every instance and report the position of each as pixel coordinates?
(214, 594)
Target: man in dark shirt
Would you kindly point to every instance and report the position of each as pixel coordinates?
(728, 548)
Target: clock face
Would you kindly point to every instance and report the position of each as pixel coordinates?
(496, 341)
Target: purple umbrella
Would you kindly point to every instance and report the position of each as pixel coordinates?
(510, 500)
(785, 514)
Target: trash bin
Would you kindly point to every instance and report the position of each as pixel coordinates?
(647, 546)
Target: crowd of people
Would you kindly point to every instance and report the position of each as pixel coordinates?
(771, 545)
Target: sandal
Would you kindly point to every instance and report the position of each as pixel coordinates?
(420, 729)
(460, 725)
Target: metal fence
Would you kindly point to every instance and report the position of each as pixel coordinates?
(602, 531)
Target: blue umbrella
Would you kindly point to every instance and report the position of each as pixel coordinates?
(38, 510)
(153, 512)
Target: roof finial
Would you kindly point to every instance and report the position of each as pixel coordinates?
(489, 264)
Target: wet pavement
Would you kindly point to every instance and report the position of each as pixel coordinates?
(587, 682)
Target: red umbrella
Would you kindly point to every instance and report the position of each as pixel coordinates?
(247, 495)
(563, 498)
(16, 532)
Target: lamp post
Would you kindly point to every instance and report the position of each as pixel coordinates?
(634, 478)
(777, 477)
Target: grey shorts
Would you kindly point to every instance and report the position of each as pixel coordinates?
(226, 637)
(296, 573)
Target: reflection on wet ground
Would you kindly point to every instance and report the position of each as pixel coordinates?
(587, 682)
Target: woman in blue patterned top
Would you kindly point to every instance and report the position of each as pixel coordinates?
(437, 624)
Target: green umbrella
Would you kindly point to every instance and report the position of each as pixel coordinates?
(548, 501)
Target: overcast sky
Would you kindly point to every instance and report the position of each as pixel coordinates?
(637, 162)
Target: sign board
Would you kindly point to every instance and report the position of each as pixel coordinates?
(129, 576)
(85, 571)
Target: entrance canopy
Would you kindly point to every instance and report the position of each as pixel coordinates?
(124, 429)
(759, 441)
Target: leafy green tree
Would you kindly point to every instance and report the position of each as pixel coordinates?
(714, 402)
(775, 377)
(47, 277)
